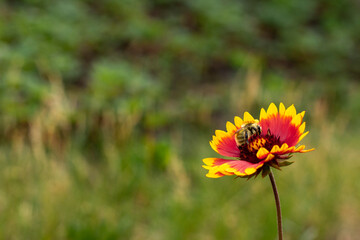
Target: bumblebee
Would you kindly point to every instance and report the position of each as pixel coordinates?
(246, 131)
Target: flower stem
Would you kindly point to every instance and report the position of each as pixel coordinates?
(278, 208)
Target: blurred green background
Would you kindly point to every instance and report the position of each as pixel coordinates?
(107, 107)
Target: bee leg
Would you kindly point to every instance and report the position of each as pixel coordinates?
(268, 132)
(247, 137)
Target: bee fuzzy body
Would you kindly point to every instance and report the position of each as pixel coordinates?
(246, 131)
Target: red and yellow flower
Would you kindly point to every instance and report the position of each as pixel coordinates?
(281, 131)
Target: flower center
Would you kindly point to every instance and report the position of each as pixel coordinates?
(256, 144)
(248, 151)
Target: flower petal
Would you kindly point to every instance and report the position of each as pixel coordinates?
(248, 117)
(238, 122)
(224, 144)
(296, 120)
(285, 124)
(262, 153)
(290, 111)
(272, 110)
(281, 109)
(303, 135)
(302, 114)
(213, 174)
(302, 127)
(210, 161)
(219, 167)
(301, 149)
(284, 149)
(269, 158)
(263, 114)
(231, 128)
(308, 150)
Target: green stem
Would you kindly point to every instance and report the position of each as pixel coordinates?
(278, 208)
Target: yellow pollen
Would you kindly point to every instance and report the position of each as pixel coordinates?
(256, 144)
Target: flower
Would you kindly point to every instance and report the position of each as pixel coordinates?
(257, 144)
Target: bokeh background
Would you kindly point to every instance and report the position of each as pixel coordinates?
(107, 108)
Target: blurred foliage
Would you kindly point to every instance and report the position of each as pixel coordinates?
(173, 45)
(106, 109)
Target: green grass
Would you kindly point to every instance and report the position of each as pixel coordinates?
(126, 194)
(105, 175)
